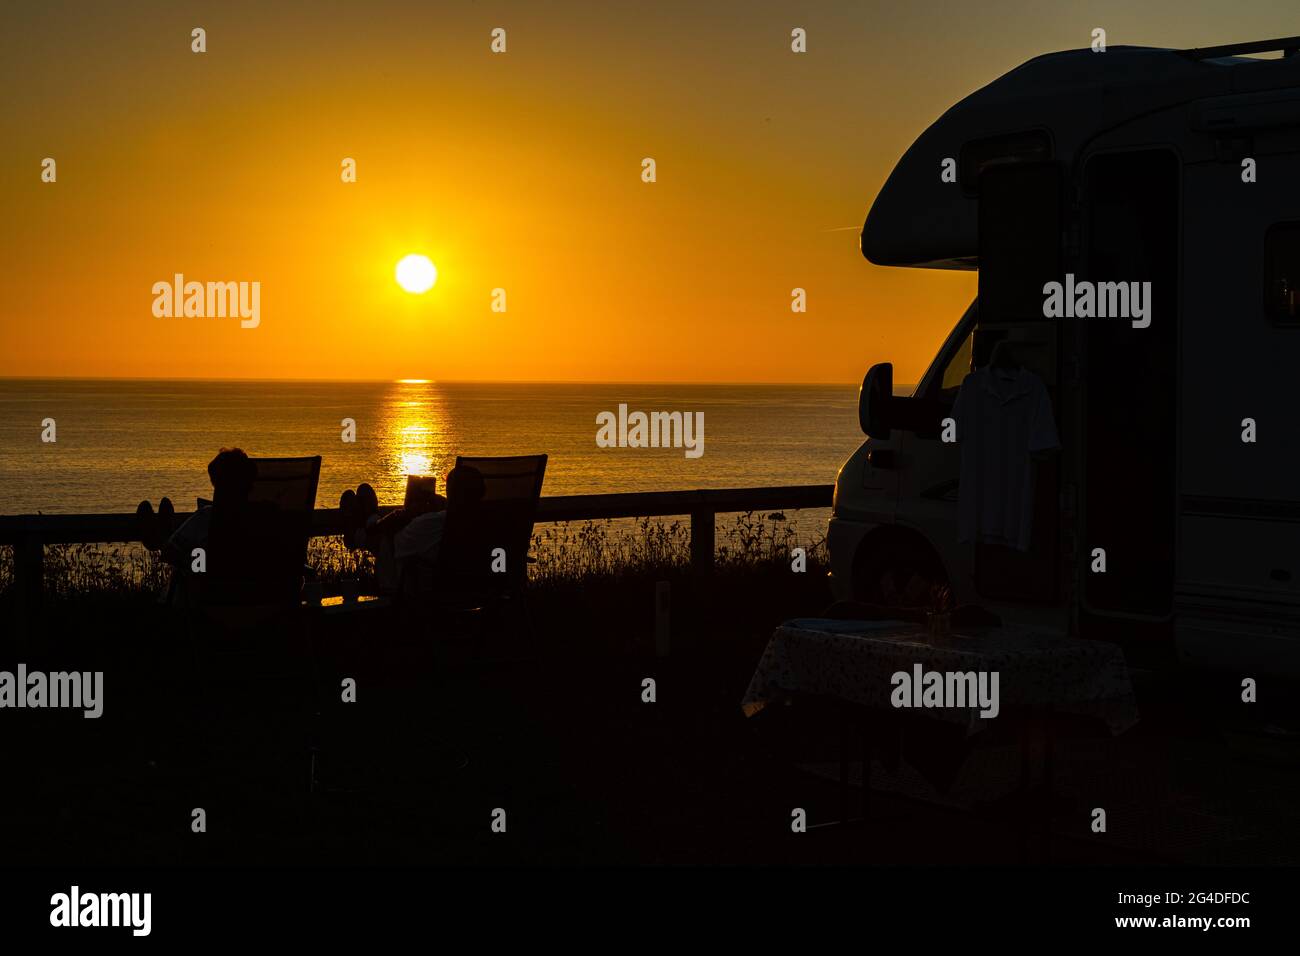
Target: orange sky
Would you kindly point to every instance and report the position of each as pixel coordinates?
(519, 171)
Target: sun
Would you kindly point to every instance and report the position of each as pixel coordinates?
(416, 274)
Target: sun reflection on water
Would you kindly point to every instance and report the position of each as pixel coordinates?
(415, 439)
(414, 463)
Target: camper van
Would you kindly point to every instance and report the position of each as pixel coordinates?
(1168, 519)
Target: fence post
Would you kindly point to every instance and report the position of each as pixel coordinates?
(702, 527)
(29, 574)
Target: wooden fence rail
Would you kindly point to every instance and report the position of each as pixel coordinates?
(28, 534)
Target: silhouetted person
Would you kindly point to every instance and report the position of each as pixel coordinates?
(252, 550)
(407, 533)
(232, 474)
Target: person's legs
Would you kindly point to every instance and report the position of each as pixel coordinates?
(146, 525)
(350, 517)
(367, 500)
(364, 528)
(359, 510)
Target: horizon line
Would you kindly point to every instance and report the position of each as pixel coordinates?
(387, 381)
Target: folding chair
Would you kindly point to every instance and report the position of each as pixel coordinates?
(251, 638)
(482, 561)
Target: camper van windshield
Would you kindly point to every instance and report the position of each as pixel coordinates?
(958, 366)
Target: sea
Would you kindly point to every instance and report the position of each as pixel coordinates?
(118, 442)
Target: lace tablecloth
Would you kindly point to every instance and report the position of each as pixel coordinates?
(856, 660)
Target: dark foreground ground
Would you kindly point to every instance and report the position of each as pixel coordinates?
(549, 724)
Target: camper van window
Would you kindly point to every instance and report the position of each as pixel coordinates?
(958, 367)
(1019, 239)
(1282, 273)
(977, 155)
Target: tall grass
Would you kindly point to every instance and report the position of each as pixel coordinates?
(74, 571)
(568, 552)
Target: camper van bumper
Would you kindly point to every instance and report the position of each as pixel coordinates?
(843, 537)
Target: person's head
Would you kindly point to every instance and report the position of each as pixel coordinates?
(232, 473)
(464, 486)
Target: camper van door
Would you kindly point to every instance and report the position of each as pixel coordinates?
(1131, 224)
(1020, 224)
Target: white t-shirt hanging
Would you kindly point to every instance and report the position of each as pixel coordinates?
(1004, 416)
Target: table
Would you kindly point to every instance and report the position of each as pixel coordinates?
(855, 661)
(1039, 674)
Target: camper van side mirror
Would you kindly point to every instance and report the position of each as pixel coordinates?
(874, 400)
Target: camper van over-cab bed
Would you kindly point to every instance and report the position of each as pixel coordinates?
(1106, 443)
